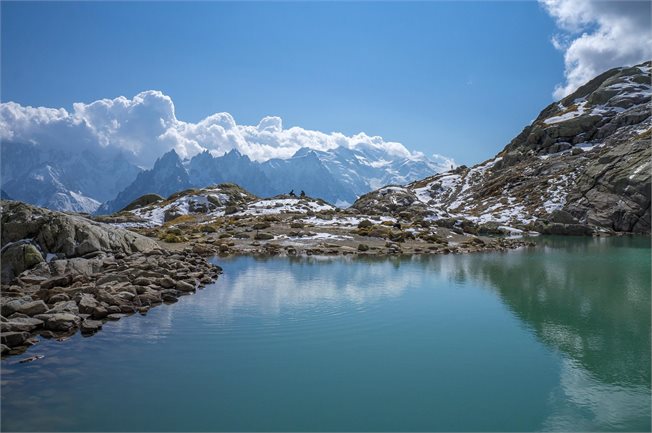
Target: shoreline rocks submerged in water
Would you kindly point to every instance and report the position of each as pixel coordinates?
(58, 298)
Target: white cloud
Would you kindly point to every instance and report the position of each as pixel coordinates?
(597, 36)
(146, 127)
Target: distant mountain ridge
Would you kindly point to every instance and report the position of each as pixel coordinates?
(338, 176)
(62, 180)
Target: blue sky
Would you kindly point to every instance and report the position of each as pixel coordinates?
(455, 78)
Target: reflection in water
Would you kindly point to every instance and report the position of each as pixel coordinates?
(593, 307)
(590, 300)
(267, 288)
(607, 406)
(586, 300)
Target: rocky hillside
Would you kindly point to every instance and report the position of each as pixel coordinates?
(582, 165)
(208, 203)
(225, 219)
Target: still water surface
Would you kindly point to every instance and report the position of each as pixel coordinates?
(555, 337)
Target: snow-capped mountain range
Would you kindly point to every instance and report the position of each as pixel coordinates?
(338, 176)
(63, 180)
(109, 150)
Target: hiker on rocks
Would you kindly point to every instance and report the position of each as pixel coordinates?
(303, 194)
(292, 194)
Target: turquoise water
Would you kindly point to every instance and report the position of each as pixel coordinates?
(555, 337)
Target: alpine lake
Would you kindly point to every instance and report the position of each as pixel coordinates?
(554, 337)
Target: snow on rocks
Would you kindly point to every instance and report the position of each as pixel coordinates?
(211, 201)
(576, 110)
(340, 221)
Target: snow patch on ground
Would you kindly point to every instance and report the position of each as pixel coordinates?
(288, 205)
(344, 221)
(320, 236)
(581, 104)
(210, 199)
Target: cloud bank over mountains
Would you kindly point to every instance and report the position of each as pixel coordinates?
(599, 35)
(146, 126)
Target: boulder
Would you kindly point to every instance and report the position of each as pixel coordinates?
(60, 281)
(13, 305)
(379, 232)
(64, 307)
(21, 324)
(169, 295)
(564, 229)
(262, 236)
(90, 326)
(365, 224)
(58, 297)
(61, 322)
(17, 257)
(111, 278)
(99, 312)
(184, 286)
(151, 297)
(562, 217)
(166, 282)
(491, 228)
(142, 281)
(32, 308)
(14, 338)
(87, 304)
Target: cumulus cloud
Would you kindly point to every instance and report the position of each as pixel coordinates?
(146, 126)
(598, 35)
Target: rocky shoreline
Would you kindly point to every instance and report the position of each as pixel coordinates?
(62, 273)
(58, 298)
(279, 240)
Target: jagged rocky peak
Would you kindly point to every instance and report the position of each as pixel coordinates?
(235, 154)
(166, 177)
(337, 175)
(170, 160)
(582, 166)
